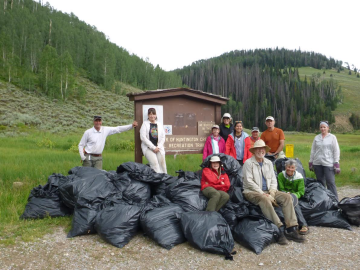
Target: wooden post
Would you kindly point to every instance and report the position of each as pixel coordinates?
(139, 119)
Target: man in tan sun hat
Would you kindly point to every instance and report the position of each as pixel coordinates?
(260, 188)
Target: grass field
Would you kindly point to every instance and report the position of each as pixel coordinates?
(31, 159)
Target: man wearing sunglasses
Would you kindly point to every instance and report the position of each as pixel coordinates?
(92, 142)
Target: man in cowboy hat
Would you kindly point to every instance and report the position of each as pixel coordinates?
(92, 142)
(260, 188)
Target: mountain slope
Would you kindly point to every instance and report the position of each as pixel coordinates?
(21, 110)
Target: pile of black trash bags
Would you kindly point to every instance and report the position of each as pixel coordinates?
(170, 210)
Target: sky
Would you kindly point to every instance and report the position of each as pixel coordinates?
(173, 33)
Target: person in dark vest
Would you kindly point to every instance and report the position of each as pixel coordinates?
(226, 126)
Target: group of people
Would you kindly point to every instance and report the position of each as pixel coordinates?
(261, 186)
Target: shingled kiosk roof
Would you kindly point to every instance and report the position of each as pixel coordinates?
(161, 93)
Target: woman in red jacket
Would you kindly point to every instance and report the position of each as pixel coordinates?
(214, 185)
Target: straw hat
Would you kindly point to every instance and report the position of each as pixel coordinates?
(259, 144)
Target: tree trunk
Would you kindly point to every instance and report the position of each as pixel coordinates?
(50, 32)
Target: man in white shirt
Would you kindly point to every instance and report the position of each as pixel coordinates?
(93, 142)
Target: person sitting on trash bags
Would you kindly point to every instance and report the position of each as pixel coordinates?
(292, 182)
(260, 188)
(214, 185)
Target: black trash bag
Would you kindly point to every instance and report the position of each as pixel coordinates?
(231, 166)
(121, 181)
(159, 222)
(137, 192)
(85, 212)
(186, 193)
(256, 233)
(157, 189)
(207, 231)
(140, 172)
(332, 218)
(45, 200)
(233, 212)
(118, 221)
(236, 194)
(350, 207)
(86, 182)
(317, 199)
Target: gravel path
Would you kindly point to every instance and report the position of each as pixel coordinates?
(326, 248)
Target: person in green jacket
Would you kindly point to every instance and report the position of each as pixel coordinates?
(291, 181)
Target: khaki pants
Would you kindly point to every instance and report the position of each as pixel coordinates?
(283, 199)
(217, 198)
(156, 160)
(91, 161)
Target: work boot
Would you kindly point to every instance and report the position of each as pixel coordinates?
(292, 234)
(282, 239)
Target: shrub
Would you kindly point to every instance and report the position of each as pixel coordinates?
(355, 121)
(46, 142)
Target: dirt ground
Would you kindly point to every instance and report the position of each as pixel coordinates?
(326, 248)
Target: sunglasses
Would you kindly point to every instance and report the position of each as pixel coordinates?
(324, 122)
(236, 122)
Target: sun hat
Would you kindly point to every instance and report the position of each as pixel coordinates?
(259, 144)
(215, 159)
(270, 118)
(215, 126)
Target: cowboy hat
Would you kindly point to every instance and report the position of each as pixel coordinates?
(259, 144)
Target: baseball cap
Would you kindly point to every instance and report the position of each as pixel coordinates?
(96, 117)
(255, 129)
(270, 118)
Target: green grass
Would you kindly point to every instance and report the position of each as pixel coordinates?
(350, 86)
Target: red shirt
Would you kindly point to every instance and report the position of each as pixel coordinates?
(210, 178)
(248, 144)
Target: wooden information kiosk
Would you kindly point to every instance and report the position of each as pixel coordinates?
(187, 116)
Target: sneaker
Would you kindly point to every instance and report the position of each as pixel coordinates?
(295, 236)
(282, 239)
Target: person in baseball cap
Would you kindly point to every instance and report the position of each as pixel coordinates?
(214, 144)
(92, 142)
(249, 142)
(226, 126)
(273, 137)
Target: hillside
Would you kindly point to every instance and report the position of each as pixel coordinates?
(350, 91)
(22, 110)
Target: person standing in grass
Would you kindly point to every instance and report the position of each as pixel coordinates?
(226, 127)
(92, 142)
(325, 157)
(249, 142)
(292, 182)
(214, 143)
(214, 185)
(152, 136)
(235, 145)
(274, 138)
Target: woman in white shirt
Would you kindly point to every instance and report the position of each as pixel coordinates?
(152, 137)
(324, 157)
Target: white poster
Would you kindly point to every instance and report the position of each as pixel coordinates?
(168, 129)
(159, 112)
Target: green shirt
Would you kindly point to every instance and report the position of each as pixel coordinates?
(293, 184)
